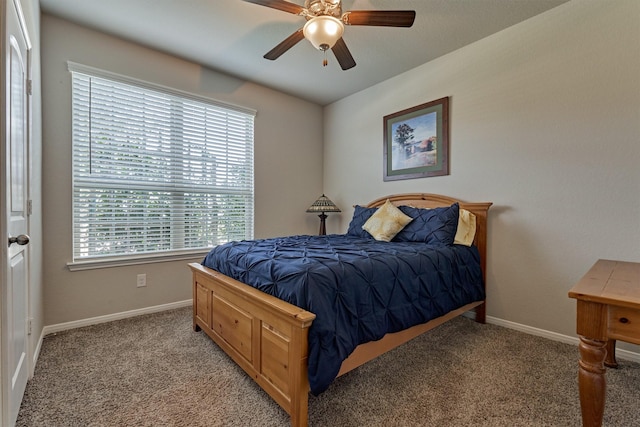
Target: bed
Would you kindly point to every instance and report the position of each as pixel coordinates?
(263, 328)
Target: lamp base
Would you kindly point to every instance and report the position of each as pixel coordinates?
(323, 228)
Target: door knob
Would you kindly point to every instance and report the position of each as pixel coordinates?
(22, 239)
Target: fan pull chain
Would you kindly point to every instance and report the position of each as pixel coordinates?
(324, 61)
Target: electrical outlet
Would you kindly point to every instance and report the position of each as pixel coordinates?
(142, 280)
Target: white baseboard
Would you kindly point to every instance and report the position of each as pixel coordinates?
(52, 329)
(36, 354)
(620, 353)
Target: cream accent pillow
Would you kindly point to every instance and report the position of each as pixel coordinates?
(386, 222)
(466, 228)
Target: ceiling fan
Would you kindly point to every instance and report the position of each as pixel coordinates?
(325, 25)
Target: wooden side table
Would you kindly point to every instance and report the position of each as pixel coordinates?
(608, 298)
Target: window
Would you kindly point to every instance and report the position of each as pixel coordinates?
(156, 171)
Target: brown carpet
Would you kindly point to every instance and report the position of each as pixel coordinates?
(153, 370)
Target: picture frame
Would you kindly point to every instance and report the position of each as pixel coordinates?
(416, 141)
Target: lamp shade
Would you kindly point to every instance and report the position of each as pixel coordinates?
(323, 204)
(323, 31)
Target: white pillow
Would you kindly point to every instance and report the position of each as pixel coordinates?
(466, 228)
(386, 222)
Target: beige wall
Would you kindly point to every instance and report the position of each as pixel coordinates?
(545, 123)
(288, 167)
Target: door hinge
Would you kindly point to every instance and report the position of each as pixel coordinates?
(29, 207)
(29, 87)
(29, 325)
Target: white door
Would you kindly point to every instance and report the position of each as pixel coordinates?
(15, 369)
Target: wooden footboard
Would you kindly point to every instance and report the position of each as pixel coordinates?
(265, 336)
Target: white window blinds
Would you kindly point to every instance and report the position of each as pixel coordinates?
(155, 170)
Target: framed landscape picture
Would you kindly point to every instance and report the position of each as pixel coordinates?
(416, 141)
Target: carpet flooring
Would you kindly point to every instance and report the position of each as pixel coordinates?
(154, 370)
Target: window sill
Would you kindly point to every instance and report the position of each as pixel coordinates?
(95, 263)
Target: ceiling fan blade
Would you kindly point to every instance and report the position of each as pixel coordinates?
(341, 51)
(285, 45)
(382, 18)
(280, 5)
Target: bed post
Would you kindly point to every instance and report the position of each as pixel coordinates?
(299, 410)
(480, 210)
(194, 287)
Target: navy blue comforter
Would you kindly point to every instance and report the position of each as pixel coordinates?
(358, 288)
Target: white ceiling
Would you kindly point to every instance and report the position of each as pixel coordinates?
(231, 36)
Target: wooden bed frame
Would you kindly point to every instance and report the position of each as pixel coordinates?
(267, 337)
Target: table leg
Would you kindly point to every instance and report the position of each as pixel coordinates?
(592, 381)
(610, 361)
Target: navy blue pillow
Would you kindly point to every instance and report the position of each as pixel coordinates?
(432, 226)
(360, 216)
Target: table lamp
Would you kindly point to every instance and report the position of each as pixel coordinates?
(322, 205)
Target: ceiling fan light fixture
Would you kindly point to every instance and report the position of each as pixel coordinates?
(323, 31)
